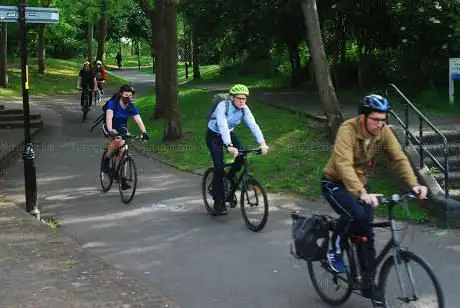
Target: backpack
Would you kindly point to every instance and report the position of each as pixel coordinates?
(310, 237)
(216, 99)
(101, 118)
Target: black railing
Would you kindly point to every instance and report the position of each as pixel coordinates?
(422, 151)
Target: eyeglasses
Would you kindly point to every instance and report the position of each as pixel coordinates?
(377, 120)
(241, 98)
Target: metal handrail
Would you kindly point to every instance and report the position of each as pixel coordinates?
(444, 167)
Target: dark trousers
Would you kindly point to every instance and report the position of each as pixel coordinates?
(216, 148)
(356, 215)
(86, 91)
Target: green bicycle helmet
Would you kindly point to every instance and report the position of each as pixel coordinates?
(239, 89)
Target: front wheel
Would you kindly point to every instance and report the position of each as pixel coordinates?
(409, 282)
(85, 107)
(105, 176)
(127, 179)
(333, 288)
(254, 204)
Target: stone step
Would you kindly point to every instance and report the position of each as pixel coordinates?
(11, 111)
(437, 149)
(17, 117)
(431, 137)
(454, 178)
(454, 162)
(36, 123)
(2, 107)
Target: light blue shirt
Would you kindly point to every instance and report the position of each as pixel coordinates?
(224, 125)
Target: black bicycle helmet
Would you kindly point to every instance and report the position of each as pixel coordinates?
(127, 88)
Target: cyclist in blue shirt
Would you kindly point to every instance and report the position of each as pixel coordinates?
(221, 134)
(119, 110)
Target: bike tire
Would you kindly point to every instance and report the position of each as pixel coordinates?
(257, 187)
(85, 107)
(102, 175)
(132, 166)
(346, 279)
(408, 256)
(206, 188)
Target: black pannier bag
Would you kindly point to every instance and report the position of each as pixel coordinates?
(310, 237)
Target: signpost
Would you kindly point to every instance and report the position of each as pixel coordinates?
(23, 15)
(454, 74)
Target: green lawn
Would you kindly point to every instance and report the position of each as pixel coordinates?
(60, 78)
(297, 154)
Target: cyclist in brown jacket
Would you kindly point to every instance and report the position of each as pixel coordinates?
(344, 184)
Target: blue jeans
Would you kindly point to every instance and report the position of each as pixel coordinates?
(216, 148)
(356, 216)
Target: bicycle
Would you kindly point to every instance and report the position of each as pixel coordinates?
(123, 171)
(248, 183)
(399, 259)
(87, 96)
(98, 95)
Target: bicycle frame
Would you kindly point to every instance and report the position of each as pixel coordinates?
(391, 245)
(125, 152)
(242, 177)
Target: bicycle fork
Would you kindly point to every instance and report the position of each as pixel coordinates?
(398, 262)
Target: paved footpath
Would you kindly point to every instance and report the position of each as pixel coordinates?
(41, 267)
(165, 239)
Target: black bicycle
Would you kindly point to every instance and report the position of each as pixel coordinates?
(87, 96)
(398, 279)
(253, 198)
(122, 170)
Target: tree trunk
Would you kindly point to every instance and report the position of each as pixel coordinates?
(172, 128)
(90, 39)
(102, 30)
(41, 49)
(156, 20)
(41, 43)
(294, 59)
(328, 97)
(3, 56)
(186, 49)
(195, 53)
(160, 110)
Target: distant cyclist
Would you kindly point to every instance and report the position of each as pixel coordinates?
(86, 80)
(220, 135)
(101, 75)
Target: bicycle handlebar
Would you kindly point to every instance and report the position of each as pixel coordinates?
(396, 198)
(134, 137)
(245, 152)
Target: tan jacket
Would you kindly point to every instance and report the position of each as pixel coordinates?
(351, 158)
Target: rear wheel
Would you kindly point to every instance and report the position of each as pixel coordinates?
(333, 288)
(254, 205)
(127, 180)
(206, 190)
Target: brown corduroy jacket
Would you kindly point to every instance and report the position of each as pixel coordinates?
(351, 158)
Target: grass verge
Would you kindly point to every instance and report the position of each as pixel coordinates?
(51, 222)
(60, 78)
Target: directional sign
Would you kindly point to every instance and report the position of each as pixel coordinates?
(35, 15)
